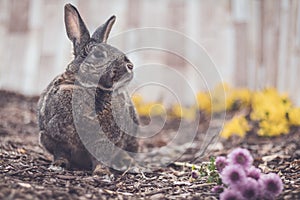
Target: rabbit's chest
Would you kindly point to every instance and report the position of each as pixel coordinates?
(114, 116)
(121, 114)
(121, 105)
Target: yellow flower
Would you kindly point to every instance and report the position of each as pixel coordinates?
(270, 128)
(223, 98)
(147, 109)
(238, 98)
(269, 105)
(151, 109)
(204, 101)
(271, 109)
(137, 99)
(236, 126)
(294, 116)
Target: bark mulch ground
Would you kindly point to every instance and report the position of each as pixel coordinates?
(25, 173)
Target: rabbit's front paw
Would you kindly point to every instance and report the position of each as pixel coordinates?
(136, 169)
(62, 162)
(101, 170)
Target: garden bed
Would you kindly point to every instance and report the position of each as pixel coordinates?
(25, 173)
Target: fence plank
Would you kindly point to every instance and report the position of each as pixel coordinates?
(18, 16)
(253, 43)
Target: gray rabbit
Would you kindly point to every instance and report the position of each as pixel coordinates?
(86, 117)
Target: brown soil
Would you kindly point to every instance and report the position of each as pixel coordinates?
(25, 173)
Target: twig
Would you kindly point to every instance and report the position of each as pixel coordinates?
(22, 170)
(157, 191)
(125, 172)
(113, 192)
(201, 185)
(184, 164)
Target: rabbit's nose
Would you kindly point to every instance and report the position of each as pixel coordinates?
(129, 66)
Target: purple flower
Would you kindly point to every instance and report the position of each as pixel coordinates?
(230, 194)
(240, 157)
(250, 189)
(271, 185)
(254, 173)
(233, 175)
(217, 189)
(221, 163)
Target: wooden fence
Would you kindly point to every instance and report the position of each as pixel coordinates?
(253, 43)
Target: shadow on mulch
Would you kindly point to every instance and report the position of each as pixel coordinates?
(25, 173)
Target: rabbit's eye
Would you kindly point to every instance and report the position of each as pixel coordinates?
(97, 54)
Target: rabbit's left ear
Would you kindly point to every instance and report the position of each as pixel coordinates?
(102, 33)
(76, 28)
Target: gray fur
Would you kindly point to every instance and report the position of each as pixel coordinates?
(88, 104)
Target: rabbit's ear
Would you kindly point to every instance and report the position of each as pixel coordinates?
(76, 29)
(102, 33)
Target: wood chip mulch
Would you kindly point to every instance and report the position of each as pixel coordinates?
(25, 172)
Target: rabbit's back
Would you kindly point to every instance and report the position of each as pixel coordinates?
(57, 130)
(54, 106)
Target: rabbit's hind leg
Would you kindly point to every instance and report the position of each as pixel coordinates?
(57, 149)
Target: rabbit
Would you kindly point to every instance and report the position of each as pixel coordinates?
(85, 115)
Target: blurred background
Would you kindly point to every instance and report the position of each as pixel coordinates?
(253, 43)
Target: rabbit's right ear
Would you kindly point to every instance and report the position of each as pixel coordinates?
(101, 34)
(76, 29)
